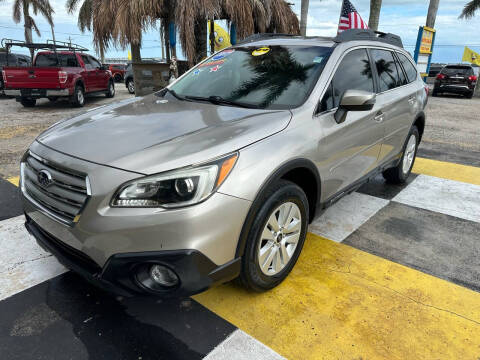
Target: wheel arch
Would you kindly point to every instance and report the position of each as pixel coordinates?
(301, 172)
(420, 123)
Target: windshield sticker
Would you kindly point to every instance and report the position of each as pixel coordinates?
(212, 63)
(260, 51)
(223, 54)
(196, 71)
(215, 68)
(318, 59)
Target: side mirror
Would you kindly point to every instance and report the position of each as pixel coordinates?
(354, 100)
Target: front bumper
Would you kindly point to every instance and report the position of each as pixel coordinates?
(36, 93)
(195, 271)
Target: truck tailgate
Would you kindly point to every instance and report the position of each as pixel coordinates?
(32, 77)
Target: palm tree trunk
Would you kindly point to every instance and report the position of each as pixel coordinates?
(200, 40)
(135, 50)
(303, 17)
(28, 27)
(432, 13)
(375, 6)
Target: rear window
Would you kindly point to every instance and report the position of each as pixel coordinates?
(65, 60)
(457, 70)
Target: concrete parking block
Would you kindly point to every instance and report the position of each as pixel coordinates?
(443, 196)
(347, 215)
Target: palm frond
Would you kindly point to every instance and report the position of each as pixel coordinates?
(34, 26)
(17, 11)
(470, 9)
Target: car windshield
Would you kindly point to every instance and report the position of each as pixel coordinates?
(66, 60)
(460, 70)
(269, 77)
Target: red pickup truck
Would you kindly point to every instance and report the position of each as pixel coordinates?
(61, 74)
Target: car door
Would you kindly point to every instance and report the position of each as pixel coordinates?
(349, 150)
(90, 75)
(101, 74)
(395, 99)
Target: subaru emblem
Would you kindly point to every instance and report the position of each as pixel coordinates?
(44, 178)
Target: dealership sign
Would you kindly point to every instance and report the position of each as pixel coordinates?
(423, 49)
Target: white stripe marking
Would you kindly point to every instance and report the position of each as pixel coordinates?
(23, 263)
(346, 216)
(443, 196)
(241, 346)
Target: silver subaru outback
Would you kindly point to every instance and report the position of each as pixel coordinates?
(218, 175)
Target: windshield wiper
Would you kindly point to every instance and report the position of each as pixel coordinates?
(219, 100)
(173, 92)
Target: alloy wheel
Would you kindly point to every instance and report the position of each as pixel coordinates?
(409, 153)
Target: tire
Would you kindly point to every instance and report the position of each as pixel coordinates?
(277, 200)
(469, 95)
(131, 86)
(435, 93)
(52, 98)
(27, 102)
(400, 173)
(78, 97)
(110, 93)
(118, 77)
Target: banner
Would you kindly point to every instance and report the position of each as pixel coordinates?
(471, 56)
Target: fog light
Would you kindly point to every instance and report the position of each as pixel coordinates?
(163, 276)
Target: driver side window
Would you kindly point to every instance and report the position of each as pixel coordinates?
(353, 73)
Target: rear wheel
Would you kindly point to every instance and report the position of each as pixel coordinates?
(469, 95)
(53, 98)
(435, 92)
(118, 77)
(110, 90)
(131, 86)
(400, 173)
(78, 97)
(27, 102)
(276, 237)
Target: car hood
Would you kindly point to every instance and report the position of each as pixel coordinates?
(153, 134)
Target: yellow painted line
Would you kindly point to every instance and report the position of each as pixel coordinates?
(14, 180)
(447, 170)
(343, 303)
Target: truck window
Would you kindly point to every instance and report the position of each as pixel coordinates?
(95, 62)
(86, 61)
(64, 60)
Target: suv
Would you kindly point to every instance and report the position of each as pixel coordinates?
(457, 79)
(218, 175)
(117, 70)
(13, 60)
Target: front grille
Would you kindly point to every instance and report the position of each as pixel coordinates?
(62, 192)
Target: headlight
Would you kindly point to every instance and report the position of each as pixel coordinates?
(175, 188)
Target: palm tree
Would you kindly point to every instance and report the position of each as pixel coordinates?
(21, 9)
(470, 9)
(375, 7)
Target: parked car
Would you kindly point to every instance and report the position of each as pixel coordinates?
(64, 74)
(13, 60)
(118, 71)
(218, 175)
(456, 79)
(435, 69)
(129, 83)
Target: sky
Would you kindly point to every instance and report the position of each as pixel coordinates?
(402, 17)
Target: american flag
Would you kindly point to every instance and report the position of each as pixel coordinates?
(350, 18)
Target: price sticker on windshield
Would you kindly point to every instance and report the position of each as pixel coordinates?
(260, 51)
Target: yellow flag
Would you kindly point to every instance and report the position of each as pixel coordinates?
(471, 56)
(129, 55)
(222, 39)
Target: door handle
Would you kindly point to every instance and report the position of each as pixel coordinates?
(379, 117)
(411, 99)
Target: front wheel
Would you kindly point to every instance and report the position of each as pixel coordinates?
(400, 173)
(131, 86)
(27, 102)
(276, 237)
(110, 90)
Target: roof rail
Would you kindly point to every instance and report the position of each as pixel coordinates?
(368, 34)
(49, 45)
(263, 36)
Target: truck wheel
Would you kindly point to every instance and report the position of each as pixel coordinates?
(276, 237)
(78, 97)
(131, 86)
(400, 173)
(27, 102)
(110, 90)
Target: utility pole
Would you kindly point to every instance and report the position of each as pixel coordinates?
(432, 13)
(303, 17)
